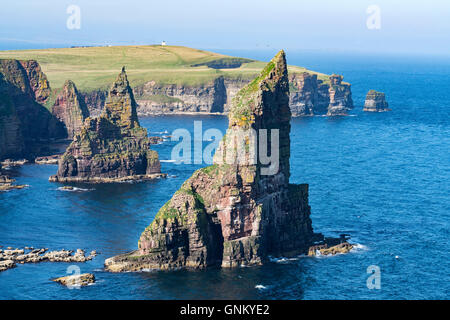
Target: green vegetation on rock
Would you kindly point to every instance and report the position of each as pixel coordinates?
(94, 68)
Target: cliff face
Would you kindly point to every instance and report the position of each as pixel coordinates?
(112, 147)
(24, 121)
(234, 213)
(70, 108)
(376, 102)
(309, 96)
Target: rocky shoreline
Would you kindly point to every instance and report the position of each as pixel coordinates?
(9, 258)
(94, 180)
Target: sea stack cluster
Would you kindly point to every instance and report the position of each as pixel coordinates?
(231, 215)
(111, 147)
(376, 102)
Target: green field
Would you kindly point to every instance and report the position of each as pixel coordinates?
(93, 68)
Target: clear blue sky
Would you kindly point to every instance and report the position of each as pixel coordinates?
(411, 26)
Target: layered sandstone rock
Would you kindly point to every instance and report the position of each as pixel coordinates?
(234, 213)
(25, 122)
(112, 147)
(70, 108)
(308, 96)
(376, 102)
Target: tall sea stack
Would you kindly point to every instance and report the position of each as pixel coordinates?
(234, 213)
(112, 147)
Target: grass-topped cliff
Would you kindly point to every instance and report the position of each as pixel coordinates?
(93, 68)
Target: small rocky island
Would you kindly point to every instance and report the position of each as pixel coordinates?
(231, 215)
(6, 183)
(112, 147)
(376, 102)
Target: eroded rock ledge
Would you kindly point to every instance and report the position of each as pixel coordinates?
(231, 214)
(113, 147)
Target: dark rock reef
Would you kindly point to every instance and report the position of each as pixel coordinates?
(112, 147)
(25, 123)
(6, 183)
(70, 108)
(232, 213)
(376, 102)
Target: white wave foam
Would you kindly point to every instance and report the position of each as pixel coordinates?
(357, 247)
(260, 287)
(282, 259)
(74, 189)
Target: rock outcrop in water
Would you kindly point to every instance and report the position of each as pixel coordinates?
(6, 183)
(10, 257)
(70, 108)
(376, 102)
(112, 147)
(25, 122)
(234, 213)
(310, 96)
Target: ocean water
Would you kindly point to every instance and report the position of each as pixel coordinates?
(382, 178)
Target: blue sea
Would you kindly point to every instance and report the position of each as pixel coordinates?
(383, 178)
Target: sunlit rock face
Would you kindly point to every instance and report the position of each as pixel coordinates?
(376, 102)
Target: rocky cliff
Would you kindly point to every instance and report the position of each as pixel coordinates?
(112, 147)
(234, 212)
(24, 120)
(309, 96)
(70, 108)
(376, 102)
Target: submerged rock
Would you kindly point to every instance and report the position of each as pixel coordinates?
(112, 147)
(79, 280)
(70, 108)
(234, 213)
(376, 102)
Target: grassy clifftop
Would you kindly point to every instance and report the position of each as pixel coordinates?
(94, 68)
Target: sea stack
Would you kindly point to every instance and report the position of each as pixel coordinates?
(70, 108)
(112, 147)
(376, 102)
(234, 213)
